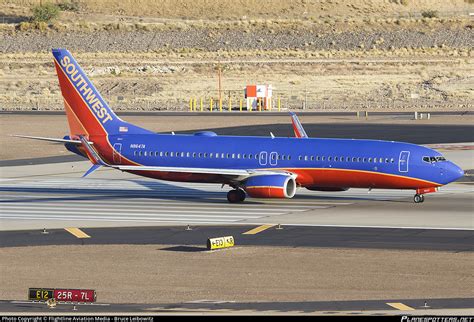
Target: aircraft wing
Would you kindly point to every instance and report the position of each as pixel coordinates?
(298, 127)
(240, 174)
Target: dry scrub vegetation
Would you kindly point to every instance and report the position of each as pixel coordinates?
(328, 54)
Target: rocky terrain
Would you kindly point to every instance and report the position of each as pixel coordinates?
(369, 55)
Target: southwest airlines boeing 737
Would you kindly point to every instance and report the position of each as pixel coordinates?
(261, 167)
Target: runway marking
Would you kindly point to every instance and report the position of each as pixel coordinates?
(77, 232)
(257, 230)
(401, 306)
(132, 216)
(85, 204)
(155, 210)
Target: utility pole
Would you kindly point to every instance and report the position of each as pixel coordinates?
(219, 77)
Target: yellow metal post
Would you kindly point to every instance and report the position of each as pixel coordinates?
(230, 104)
(211, 103)
(195, 109)
(279, 104)
(191, 104)
(200, 103)
(258, 105)
(240, 105)
(220, 105)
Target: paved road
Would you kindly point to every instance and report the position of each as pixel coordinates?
(63, 199)
(385, 307)
(238, 114)
(194, 240)
(413, 133)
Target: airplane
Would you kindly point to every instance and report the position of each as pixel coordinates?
(260, 167)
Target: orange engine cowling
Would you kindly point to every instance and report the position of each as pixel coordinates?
(271, 186)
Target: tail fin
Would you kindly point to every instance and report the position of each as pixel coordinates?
(87, 112)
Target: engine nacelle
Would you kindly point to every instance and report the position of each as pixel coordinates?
(271, 186)
(313, 188)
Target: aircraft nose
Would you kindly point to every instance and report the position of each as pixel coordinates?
(455, 172)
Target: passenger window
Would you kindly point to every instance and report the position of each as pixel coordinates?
(336, 159)
(392, 160)
(370, 160)
(187, 154)
(217, 155)
(329, 158)
(306, 158)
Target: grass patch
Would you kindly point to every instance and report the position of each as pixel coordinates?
(429, 14)
(45, 13)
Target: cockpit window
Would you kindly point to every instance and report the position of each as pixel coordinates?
(433, 159)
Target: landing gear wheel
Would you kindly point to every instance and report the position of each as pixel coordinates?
(241, 195)
(418, 198)
(234, 196)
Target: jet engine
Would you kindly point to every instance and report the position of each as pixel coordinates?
(271, 186)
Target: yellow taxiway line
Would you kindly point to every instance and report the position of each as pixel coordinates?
(401, 306)
(258, 230)
(77, 232)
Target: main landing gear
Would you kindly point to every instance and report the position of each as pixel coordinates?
(418, 198)
(236, 195)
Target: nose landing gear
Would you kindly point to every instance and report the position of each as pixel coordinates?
(236, 195)
(418, 198)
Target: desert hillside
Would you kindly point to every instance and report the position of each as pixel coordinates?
(328, 54)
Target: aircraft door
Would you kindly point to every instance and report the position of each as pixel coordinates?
(117, 153)
(403, 161)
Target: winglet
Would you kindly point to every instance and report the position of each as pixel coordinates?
(92, 169)
(297, 127)
(91, 153)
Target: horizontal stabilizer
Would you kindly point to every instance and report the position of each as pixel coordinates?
(49, 139)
